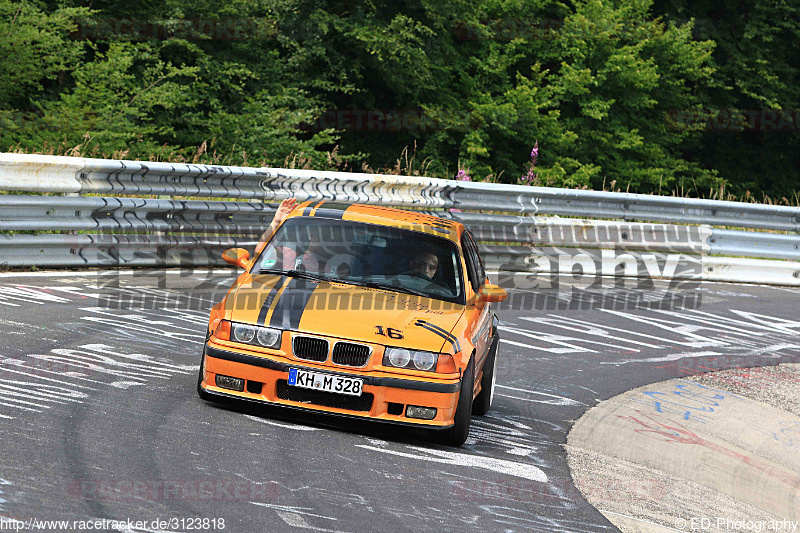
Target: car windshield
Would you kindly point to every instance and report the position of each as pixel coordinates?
(397, 259)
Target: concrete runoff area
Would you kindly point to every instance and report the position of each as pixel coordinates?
(715, 452)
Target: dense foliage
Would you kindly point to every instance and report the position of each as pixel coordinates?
(664, 96)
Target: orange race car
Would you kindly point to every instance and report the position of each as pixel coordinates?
(364, 312)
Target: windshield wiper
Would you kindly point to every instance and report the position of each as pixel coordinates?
(389, 287)
(318, 277)
(302, 274)
(271, 271)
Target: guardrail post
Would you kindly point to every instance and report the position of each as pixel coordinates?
(72, 232)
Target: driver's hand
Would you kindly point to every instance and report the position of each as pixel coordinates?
(284, 209)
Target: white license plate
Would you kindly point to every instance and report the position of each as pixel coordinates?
(324, 382)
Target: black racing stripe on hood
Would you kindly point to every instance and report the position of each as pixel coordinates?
(273, 291)
(292, 303)
(442, 333)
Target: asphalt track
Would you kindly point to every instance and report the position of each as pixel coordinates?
(99, 418)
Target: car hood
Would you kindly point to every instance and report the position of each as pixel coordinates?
(345, 311)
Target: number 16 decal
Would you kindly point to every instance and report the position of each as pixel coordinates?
(389, 332)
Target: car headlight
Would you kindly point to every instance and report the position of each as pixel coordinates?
(244, 333)
(424, 360)
(268, 337)
(256, 335)
(398, 357)
(413, 359)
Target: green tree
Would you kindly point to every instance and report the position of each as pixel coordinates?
(35, 56)
(750, 129)
(150, 93)
(615, 92)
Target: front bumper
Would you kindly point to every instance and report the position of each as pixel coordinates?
(391, 395)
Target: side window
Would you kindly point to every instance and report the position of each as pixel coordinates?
(481, 272)
(470, 256)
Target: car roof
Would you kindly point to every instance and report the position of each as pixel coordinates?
(383, 216)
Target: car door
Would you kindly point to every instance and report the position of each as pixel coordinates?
(480, 317)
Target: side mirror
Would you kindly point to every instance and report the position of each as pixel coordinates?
(237, 257)
(491, 293)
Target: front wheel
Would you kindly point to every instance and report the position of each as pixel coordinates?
(483, 401)
(457, 435)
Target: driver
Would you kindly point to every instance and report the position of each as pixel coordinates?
(424, 265)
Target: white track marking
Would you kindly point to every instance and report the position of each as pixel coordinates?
(501, 466)
(587, 328)
(295, 516)
(686, 330)
(553, 339)
(295, 510)
(520, 344)
(296, 427)
(612, 328)
(663, 359)
(556, 399)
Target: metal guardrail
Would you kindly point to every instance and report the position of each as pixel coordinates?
(37, 173)
(107, 250)
(86, 213)
(138, 231)
(751, 244)
(64, 213)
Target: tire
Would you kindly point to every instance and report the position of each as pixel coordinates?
(483, 402)
(200, 392)
(457, 435)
